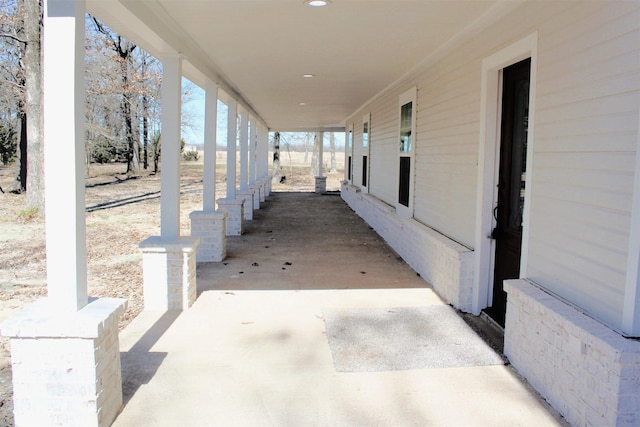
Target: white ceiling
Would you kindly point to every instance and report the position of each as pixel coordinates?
(258, 50)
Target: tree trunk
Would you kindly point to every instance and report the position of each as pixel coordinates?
(145, 129)
(307, 138)
(332, 146)
(19, 184)
(276, 158)
(34, 113)
(314, 156)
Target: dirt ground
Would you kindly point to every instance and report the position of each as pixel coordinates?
(121, 213)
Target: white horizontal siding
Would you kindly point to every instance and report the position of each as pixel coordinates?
(384, 148)
(586, 133)
(586, 136)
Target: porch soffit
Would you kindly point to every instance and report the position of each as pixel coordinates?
(258, 50)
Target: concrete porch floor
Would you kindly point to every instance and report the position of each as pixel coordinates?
(253, 350)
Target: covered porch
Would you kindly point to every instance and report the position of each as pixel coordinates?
(313, 320)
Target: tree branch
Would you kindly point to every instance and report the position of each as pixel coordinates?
(12, 37)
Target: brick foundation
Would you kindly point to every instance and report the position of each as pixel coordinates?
(66, 365)
(235, 215)
(247, 197)
(210, 228)
(321, 184)
(257, 190)
(263, 190)
(169, 273)
(443, 263)
(588, 372)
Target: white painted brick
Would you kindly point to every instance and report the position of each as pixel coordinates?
(169, 273)
(591, 362)
(445, 264)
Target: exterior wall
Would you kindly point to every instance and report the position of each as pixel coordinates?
(444, 264)
(584, 149)
(585, 135)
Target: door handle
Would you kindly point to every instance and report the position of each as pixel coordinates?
(496, 233)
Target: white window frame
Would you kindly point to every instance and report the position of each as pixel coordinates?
(349, 150)
(410, 95)
(366, 151)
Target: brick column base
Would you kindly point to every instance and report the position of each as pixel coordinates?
(235, 215)
(257, 190)
(247, 198)
(169, 273)
(211, 228)
(66, 365)
(321, 184)
(267, 185)
(263, 190)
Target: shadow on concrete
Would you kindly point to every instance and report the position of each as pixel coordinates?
(140, 364)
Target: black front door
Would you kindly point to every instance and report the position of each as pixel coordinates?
(512, 179)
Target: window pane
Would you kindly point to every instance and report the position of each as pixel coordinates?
(405, 127)
(365, 135)
(405, 177)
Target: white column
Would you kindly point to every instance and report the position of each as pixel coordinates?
(320, 140)
(210, 127)
(63, 67)
(244, 150)
(232, 128)
(170, 122)
(253, 145)
(321, 181)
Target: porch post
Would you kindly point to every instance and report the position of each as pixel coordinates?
(170, 123)
(168, 260)
(321, 181)
(231, 204)
(253, 171)
(209, 225)
(264, 159)
(64, 350)
(245, 193)
(210, 141)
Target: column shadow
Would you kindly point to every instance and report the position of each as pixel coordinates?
(139, 364)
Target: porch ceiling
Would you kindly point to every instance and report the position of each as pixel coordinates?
(258, 50)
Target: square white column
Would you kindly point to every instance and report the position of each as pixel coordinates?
(209, 161)
(63, 67)
(244, 151)
(171, 122)
(232, 126)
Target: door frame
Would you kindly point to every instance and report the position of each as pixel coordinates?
(489, 163)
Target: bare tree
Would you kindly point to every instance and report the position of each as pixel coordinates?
(33, 104)
(21, 36)
(276, 158)
(332, 147)
(124, 50)
(314, 157)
